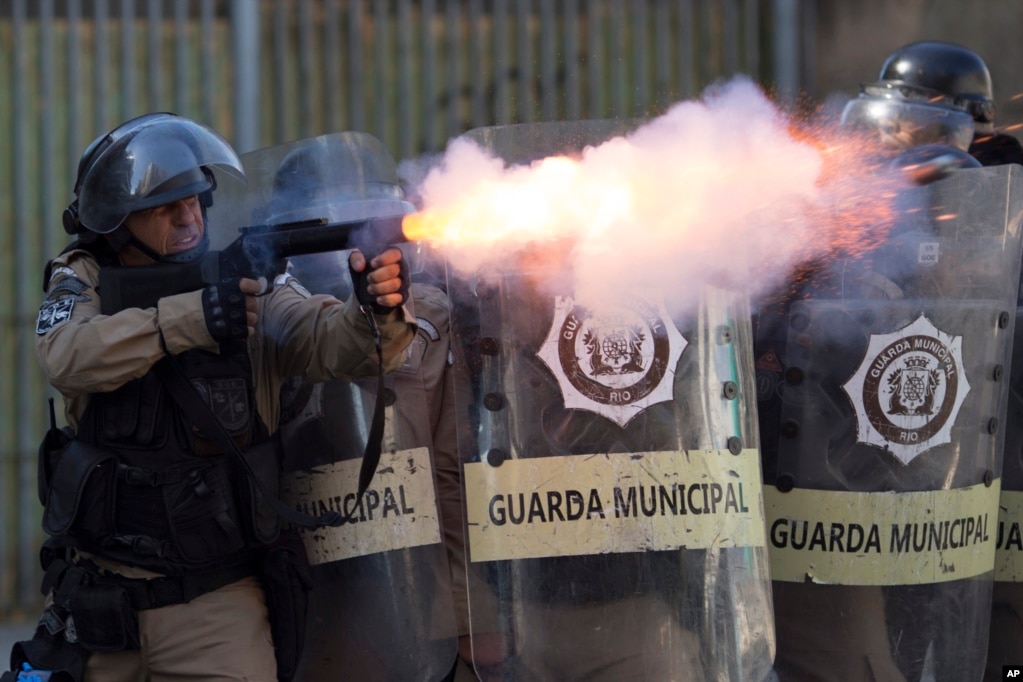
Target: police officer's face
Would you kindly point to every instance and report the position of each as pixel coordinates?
(167, 229)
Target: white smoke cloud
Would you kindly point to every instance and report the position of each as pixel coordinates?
(717, 190)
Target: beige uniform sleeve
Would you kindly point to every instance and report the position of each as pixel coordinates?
(82, 351)
(321, 338)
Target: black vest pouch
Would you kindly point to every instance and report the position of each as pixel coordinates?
(81, 493)
(54, 443)
(263, 461)
(104, 617)
(204, 519)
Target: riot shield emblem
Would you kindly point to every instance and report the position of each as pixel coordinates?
(616, 362)
(908, 389)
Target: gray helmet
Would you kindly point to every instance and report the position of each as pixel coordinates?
(146, 162)
(941, 70)
(340, 177)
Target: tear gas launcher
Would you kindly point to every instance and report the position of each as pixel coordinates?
(261, 251)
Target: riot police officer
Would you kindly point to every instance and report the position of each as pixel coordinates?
(391, 601)
(944, 70)
(957, 72)
(845, 446)
(162, 504)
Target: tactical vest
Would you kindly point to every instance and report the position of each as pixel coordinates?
(151, 490)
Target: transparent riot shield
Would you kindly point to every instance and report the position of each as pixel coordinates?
(381, 606)
(884, 388)
(1007, 604)
(610, 471)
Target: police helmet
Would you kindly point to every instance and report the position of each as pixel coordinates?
(942, 70)
(148, 161)
(340, 177)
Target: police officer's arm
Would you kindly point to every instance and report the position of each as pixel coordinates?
(82, 351)
(319, 337)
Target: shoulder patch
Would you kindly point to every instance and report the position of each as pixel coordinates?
(54, 313)
(426, 326)
(68, 287)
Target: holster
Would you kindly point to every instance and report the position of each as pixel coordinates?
(287, 582)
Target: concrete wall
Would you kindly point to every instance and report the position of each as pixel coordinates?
(854, 37)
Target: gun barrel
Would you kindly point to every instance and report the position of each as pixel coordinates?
(372, 234)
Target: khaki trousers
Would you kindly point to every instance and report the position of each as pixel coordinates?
(832, 633)
(221, 635)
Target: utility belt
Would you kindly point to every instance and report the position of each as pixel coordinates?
(103, 606)
(94, 610)
(198, 512)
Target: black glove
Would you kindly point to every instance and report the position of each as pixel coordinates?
(225, 310)
(359, 279)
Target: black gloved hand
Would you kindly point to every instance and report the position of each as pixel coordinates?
(359, 279)
(226, 313)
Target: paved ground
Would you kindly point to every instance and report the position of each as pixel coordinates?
(9, 634)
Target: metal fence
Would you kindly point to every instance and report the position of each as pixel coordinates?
(413, 73)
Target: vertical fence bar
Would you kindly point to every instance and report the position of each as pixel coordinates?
(73, 81)
(808, 34)
(571, 59)
(127, 60)
(47, 132)
(429, 98)
(662, 52)
(332, 84)
(208, 74)
(381, 58)
(786, 49)
(641, 57)
(9, 532)
(478, 63)
(595, 58)
(154, 52)
(502, 105)
(29, 511)
(549, 93)
(687, 49)
(280, 100)
(101, 57)
(26, 271)
(455, 71)
(730, 31)
(306, 71)
(619, 38)
(751, 38)
(357, 88)
(245, 52)
(709, 61)
(406, 60)
(182, 48)
(524, 59)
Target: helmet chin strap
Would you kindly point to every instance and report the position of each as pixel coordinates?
(122, 237)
